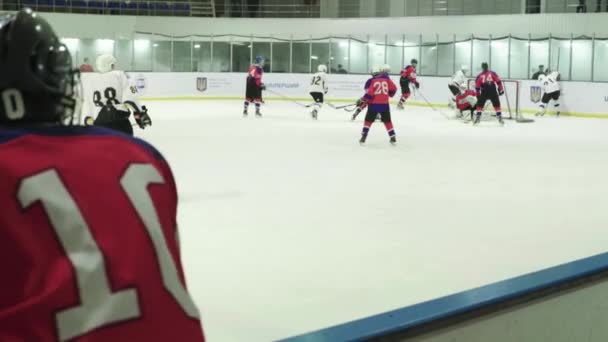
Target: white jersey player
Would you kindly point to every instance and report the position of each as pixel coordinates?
(109, 98)
(318, 88)
(551, 91)
(458, 83)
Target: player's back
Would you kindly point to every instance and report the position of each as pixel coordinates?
(105, 88)
(381, 89)
(255, 72)
(88, 235)
(487, 81)
(318, 83)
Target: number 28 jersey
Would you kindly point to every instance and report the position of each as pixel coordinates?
(110, 88)
(89, 256)
(381, 89)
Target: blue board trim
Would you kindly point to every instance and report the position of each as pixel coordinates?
(415, 315)
(8, 134)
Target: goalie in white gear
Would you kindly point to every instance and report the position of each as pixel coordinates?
(458, 84)
(318, 88)
(551, 91)
(109, 99)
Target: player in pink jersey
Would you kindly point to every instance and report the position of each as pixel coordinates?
(377, 96)
(88, 240)
(408, 76)
(253, 92)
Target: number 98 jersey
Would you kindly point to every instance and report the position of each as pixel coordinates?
(88, 241)
(111, 88)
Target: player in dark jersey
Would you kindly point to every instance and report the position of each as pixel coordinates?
(489, 87)
(253, 92)
(88, 245)
(408, 76)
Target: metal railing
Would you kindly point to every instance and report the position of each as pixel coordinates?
(268, 10)
(117, 7)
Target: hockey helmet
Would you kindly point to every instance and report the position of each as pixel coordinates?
(386, 68)
(259, 60)
(414, 62)
(37, 74)
(105, 63)
(376, 70)
(322, 68)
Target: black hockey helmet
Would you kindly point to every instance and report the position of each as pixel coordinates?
(484, 66)
(37, 82)
(414, 61)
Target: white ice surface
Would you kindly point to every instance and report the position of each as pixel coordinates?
(288, 225)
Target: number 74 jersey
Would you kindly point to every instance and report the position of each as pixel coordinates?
(89, 256)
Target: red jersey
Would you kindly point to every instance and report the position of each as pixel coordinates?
(381, 89)
(255, 72)
(86, 68)
(462, 102)
(88, 241)
(488, 81)
(409, 72)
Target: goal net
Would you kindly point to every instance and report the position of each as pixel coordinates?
(509, 102)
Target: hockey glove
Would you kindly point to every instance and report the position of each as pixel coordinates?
(359, 102)
(142, 118)
(501, 92)
(263, 86)
(417, 85)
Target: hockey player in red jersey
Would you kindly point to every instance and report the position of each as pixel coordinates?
(377, 96)
(385, 69)
(255, 86)
(489, 87)
(408, 76)
(88, 241)
(466, 101)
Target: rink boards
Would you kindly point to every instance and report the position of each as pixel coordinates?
(578, 98)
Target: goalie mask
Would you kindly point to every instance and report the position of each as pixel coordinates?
(38, 83)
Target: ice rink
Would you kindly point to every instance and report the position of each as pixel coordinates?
(288, 225)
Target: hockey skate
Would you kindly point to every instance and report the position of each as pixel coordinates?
(362, 140)
(400, 105)
(245, 113)
(314, 114)
(557, 114)
(393, 140)
(539, 114)
(477, 119)
(500, 120)
(258, 114)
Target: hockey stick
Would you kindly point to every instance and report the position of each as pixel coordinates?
(345, 107)
(430, 105)
(349, 107)
(290, 99)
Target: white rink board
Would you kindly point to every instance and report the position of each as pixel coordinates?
(577, 97)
